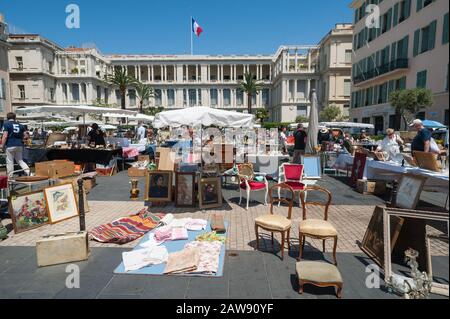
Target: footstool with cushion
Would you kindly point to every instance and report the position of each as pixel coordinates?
(319, 274)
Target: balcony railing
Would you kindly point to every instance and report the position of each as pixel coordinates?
(383, 69)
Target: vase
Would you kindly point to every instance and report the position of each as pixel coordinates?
(134, 192)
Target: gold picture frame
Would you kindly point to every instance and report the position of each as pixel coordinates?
(155, 192)
(32, 211)
(61, 202)
(210, 192)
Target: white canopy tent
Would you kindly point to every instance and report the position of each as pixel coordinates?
(347, 125)
(71, 110)
(135, 117)
(204, 116)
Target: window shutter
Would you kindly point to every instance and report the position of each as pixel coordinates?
(394, 51)
(432, 36)
(2, 89)
(416, 42)
(419, 5)
(395, 22)
(405, 47)
(389, 20)
(445, 31)
(407, 8)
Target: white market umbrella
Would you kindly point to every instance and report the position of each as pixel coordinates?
(73, 110)
(108, 127)
(135, 117)
(204, 116)
(313, 125)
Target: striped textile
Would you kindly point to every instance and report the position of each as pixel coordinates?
(126, 229)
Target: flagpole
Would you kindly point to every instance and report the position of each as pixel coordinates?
(192, 37)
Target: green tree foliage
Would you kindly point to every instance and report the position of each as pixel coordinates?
(252, 87)
(408, 103)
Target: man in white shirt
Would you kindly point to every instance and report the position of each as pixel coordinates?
(140, 132)
(391, 145)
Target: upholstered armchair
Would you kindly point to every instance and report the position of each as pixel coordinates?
(291, 175)
(250, 181)
(317, 228)
(275, 223)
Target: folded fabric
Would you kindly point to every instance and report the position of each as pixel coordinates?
(167, 220)
(163, 233)
(183, 261)
(150, 243)
(196, 224)
(181, 222)
(179, 233)
(127, 229)
(209, 256)
(210, 236)
(141, 258)
(218, 224)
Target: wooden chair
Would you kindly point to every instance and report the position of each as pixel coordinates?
(277, 223)
(248, 183)
(317, 228)
(320, 274)
(291, 175)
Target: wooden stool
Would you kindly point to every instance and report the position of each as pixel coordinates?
(319, 274)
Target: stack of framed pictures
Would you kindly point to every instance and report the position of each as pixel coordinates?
(187, 185)
(48, 206)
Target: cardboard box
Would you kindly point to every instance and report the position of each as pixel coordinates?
(55, 169)
(63, 248)
(143, 158)
(136, 172)
(106, 171)
(370, 187)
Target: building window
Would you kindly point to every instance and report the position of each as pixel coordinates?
(184, 97)
(421, 79)
(99, 92)
(132, 96)
(52, 94)
(265, 97)
(158, 97)
(106, 96)
(75, 92)
(226, 97)
(425, 39)
(423, 3)
(199, 95)
(192, 97)
(118, 96)
(21, 92)
(171, 97)
(366, 120)
(19, 62)
(348, 56)
(421, 116)
(347, 85)
(239, 97)
(213, 97)
(2, 89)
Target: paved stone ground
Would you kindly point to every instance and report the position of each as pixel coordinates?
(350, 213)
(247, 273)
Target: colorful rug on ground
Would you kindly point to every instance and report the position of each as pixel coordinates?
(126, 229)
(177, 246)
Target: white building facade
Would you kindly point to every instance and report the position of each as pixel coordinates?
(408, 50)
(5, 101)
(42, 72)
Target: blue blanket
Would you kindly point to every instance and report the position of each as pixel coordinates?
(174, 246)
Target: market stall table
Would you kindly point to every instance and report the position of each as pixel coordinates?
(388, 171)
(33, 155)
(85, 155)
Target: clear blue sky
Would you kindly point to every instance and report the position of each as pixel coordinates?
(162, 26)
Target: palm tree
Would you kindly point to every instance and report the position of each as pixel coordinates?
(144, 92)
(251, 86)
(123, 81)
(262, 115)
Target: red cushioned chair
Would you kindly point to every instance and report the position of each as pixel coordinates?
(249, 184)
(291, 175)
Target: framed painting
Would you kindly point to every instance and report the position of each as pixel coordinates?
(442, 216)
(28, 211)
(61, 202)
(185, 189)
(359, 165)
(373, 241)
(312, 167)
(409, 189)
(158, 186)
(210, 192)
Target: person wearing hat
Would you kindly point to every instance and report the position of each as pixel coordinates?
(391, 144)
(324, 135)
(422, 140)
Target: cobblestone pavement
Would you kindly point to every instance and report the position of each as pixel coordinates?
(350, 214)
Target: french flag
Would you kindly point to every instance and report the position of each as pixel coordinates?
(196, 28)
